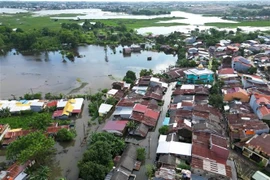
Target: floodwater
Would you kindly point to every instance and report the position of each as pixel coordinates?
(46, 72)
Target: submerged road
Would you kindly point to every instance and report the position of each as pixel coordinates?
(150, 143)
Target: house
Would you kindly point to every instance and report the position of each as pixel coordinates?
(252, 81)
(111, 93)
(141, 130)
(37, 106)
(124, 168)
(242, 127)
(135, 48)
(115, 127)
(67, 108)
(260, 176)
(168, 144)
(145, 115)
(13, 134)
(16, 171)
(15, 106)
(104, 109)
(226, 73)
(127, 51)
(209, 156)
(258, 149)
(260, 104)
(241, 64)
(199, 74)
(236, 93)
(121, 86)
(4, 128)
(176, 73)
(157, 82)
(54, 128)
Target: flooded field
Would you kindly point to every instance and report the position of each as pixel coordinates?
(46, 72)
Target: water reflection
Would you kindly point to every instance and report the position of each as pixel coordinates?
(46, 72)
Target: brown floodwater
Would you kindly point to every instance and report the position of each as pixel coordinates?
(46, 72)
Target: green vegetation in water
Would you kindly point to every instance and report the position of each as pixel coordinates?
(243, 23)
(78, 88)
(139, 23)
(28, 120)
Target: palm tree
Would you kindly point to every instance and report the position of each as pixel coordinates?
(131, 125)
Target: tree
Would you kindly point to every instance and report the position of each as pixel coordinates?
(130, 75)
(42, 173)
(5, 112)
(91, 170)
(149, 170)
(116, 144)
(216, 100)
(163, 130)
(34, 146)
(40, 121)
(131, 125)
(252, 70)
(64, 135)
(111, 101)
(141, 154)
(145, 72)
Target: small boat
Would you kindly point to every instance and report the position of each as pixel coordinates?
(149, 58)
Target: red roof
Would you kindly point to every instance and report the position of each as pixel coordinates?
(52, 104)
(226, 71)
(53, 129)
(78, 111)
(260, 143)
(140, 108)
(57, 113)
(115, 125)
(152, 114)
(126, 102)
(264, 110)
(15, 169)
(200, 148)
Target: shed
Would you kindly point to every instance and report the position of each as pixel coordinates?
(115, 127)
(104, 109)
(260, 176)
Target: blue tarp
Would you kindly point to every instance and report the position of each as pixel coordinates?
(166, 121)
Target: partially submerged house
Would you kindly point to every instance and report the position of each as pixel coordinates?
(104, 109)
(67, 108)
(128, 162)
(115, 127)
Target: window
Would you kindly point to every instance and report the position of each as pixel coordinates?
(198, 77)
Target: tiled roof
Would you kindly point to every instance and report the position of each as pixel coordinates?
(211, 166)
(226, 71)
(15, 169)
(260, 143)
(115, 125)
(140, 108)
(219, 141)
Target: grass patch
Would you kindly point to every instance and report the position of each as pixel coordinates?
(243, 23)
(21, 121)
(139, 23)
(26, 21)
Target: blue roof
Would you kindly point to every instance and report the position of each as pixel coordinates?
(166, 121)
(24, 101)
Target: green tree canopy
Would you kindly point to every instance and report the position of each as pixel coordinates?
(163, 130)
(41, 121)
(64, 135)
(145, 72)
(141, 154)
(130, 77)
(34, 146)
(91, 170)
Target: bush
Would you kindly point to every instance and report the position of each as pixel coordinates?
(163, 130)
(65, 135)
(141, 154)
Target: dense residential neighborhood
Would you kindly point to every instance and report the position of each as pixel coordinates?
(206, 117)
